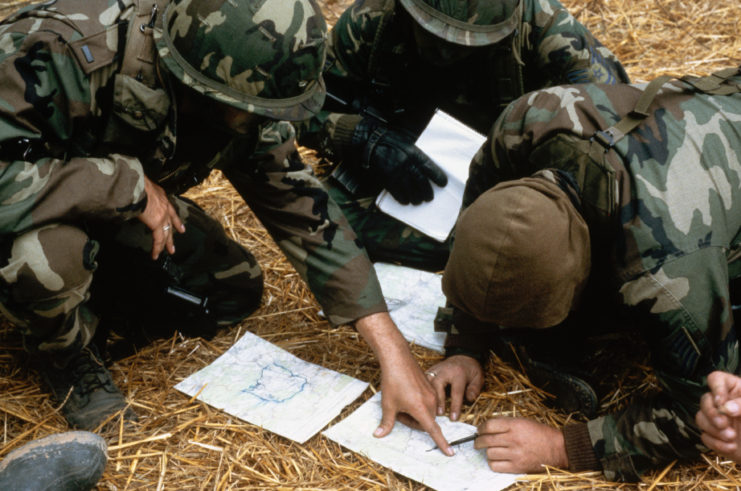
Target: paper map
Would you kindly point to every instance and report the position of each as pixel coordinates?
(405, 451)
(265, 385)
(413, 297)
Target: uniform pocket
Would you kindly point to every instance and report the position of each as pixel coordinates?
(139, 106)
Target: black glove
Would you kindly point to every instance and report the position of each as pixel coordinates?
(402, 168)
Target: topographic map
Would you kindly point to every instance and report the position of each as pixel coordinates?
(413, 297)
(407, 451)
(265, 385)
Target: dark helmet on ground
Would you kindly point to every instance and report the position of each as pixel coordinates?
(261, 56)
(466, 22)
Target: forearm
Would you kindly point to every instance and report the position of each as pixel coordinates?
(311, 230)
(386, 341)
(649, 434)
(684, 308)
(330, 134)
(347, 80)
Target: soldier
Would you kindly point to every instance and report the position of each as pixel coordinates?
(392, 63)
(591, 202)
(110, 110)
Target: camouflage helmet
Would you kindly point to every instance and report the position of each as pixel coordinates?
(261, 56)
(467, 22)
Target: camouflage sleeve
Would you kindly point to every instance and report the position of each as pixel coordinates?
(346, 75)
(44, 97)
(557, 46)
(681, 227)
(685, 308)
(306, 224)
(676, 281)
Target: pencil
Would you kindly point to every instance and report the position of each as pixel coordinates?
(460, 441)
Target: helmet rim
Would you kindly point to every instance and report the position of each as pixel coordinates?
(459, 32)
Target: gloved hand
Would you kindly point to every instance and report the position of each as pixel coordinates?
(402, 168)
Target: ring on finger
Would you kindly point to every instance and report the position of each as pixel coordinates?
(166, 228)
(431, 374)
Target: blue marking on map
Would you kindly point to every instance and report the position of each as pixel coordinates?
(276, 384)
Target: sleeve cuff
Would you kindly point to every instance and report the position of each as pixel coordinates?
(466, 335)
(579, 448)
(343, 133)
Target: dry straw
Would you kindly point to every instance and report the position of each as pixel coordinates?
(181, 443)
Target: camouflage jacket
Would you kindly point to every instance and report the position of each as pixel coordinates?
(374, 69)
(78, 133)
(664, 210)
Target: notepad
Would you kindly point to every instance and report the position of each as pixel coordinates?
(451, 145)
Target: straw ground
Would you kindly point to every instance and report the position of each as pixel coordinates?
(181, 443)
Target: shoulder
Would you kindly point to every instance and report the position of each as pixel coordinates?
(545, 14)
(86, 30)
(359, 31)
(69, 19)
(542, 7)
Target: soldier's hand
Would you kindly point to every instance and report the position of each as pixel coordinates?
(725, 389)
(719, 416)
(161, 218)
(402, 168)
(407, 395)
(517, 445)
(464, 376)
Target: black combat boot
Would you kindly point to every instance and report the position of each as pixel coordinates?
(571, 389)
(71, 461)
(578, 370)
(87, 387)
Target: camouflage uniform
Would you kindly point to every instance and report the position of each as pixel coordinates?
(375, 69)
(663, 206)
(77, 135)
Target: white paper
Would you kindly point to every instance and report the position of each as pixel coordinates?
(265, 385)
(413, 297)
(451, 145)
(405, 451)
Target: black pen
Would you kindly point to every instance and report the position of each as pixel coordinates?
(458, 442)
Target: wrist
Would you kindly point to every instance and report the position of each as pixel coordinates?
(384, 338)
(562, 456)
(580, 454)
(343, 136)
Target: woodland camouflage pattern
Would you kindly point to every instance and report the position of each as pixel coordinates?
(466, 22)
(373, 64)
(77, 138)
(274, 69)
(375, 69)
(664, 211)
